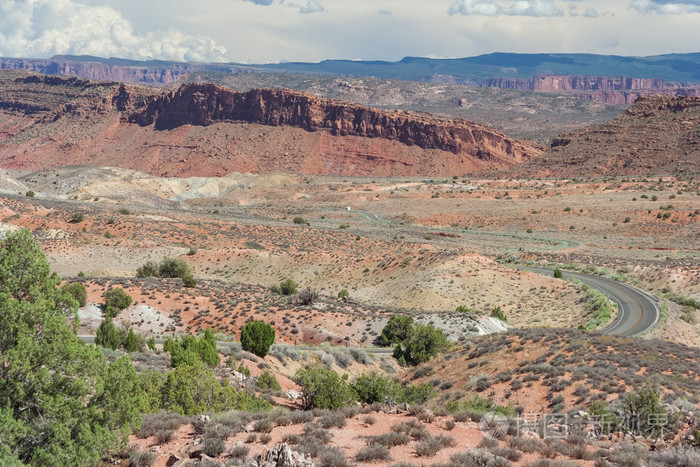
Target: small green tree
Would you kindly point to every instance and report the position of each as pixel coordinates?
(131, 341)
(173, 268)
(323, 389)
(423, 343)
(268, 381)
(30, 194)
(108, 335)
(78, 217)
(117, 298)
(257, 337)
(557, 273)
(396, 330)
(344, 293)
(78, 291)
(151, 343)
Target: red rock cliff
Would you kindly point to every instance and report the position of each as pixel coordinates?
(204, 104)
(610, 90)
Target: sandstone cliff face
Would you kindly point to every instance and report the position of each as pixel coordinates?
(99, 71)
(609, 90)
(204, 104)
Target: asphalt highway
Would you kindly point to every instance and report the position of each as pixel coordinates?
(638, 311)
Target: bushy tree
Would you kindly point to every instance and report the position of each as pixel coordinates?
(152, 385)
(374, 387)
(189, 350)
(257, 337)
(557, 273)
(78, 291)
(117, 298)
(173, 268)
(60, 403)
(131, 341)
(108, 335)
(193, 389)
(396, 330)
(423, 343)
(323, 389)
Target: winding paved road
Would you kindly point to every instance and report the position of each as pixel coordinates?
(638, 311)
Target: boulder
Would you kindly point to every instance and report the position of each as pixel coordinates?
(282, 456)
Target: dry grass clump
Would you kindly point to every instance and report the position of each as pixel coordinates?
(389, 440)
(160, 423)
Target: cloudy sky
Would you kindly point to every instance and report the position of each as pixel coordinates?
(261, 31)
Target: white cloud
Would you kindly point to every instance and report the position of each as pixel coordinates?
(41, 28)
(590, 13)
(312, 6)
(535, 8)
(666, 7)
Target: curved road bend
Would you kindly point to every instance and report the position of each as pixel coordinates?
(638, 311)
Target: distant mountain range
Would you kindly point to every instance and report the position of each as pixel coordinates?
(471, 70)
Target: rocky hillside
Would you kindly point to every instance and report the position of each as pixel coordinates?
(210, 130)
(656, 135)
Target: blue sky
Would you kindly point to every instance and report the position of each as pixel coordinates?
(261, 31)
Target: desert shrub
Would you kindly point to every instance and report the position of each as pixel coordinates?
(268, 381)
(117, 298)
(428, 447)
(557, 273)
(497, 313)
(676, 456)
(372, 453)
(257, 337)
(149, 269)
(628, 455)
(77, 291)
(240, 452)
(154, 423)
(142, 458)
(343, 293)
(299, 220)
(288, 287)
(214, 438)
(265, 438)
(29, 194)
(413, 428)
(389, 440)
(477, 458)
(307, 296)
(301, 417)
(526, 445)
(323, 389)
(332, 457)
(263, 425)
(333, 420)
(77, 217)
(507, 453)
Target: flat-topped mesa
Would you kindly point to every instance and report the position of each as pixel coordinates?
(204, 104)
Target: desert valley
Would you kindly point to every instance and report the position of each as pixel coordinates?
(340, 264)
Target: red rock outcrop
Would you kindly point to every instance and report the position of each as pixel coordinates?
(610, 90)
(205, 104)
